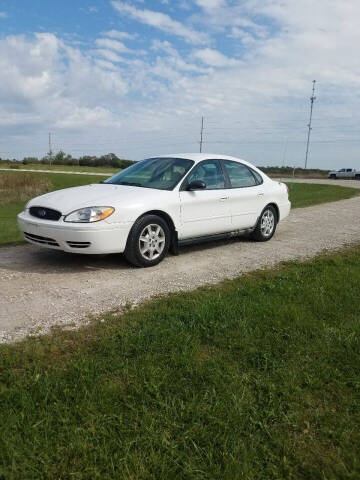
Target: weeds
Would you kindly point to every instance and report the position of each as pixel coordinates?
(22, 187)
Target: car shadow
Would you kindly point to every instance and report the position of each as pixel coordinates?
(33, 259)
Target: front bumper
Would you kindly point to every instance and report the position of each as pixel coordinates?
(92, 238)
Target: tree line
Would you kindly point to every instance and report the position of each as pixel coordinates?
(61, 158)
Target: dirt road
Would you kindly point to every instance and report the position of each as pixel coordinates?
(40, 288)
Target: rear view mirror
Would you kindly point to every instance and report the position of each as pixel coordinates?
(196, 185)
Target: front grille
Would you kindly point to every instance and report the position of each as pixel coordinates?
(41, 240)
(45, 213)
(79, 244)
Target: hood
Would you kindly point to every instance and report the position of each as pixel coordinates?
(70, 199)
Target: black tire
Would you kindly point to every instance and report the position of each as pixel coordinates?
(260, 233)
(133, 252)
(332, 177)
(357, 177)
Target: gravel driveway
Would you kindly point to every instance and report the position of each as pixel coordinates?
(40, 288)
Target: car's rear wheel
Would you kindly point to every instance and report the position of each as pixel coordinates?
(357, 176)
(332, 177)
(148, 241)
(266, 225)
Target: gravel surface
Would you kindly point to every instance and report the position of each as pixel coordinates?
(42, 288)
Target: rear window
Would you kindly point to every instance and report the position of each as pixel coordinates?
(241, 176)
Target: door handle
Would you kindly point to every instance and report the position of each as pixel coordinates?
(222, 199)
(260, 194)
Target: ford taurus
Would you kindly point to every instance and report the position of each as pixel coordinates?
(157, 205)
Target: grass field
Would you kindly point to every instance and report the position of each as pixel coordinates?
(64, 168)
(256, 378)
(306, 194)
(8, 226)
(299, 172)
(301, 195)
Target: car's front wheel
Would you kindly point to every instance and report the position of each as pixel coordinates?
(148, 241)
(266, 225)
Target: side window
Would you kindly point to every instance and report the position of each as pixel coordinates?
(209, 172)
(240, 175)
(258, 177)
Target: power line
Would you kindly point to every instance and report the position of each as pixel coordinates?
(312, 99)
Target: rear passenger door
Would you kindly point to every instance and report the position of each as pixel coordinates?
(246, 194)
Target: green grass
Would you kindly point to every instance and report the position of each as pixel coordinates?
(301, 195)
(306, 194)
(8, 227)
(64, 168)
(299, 172)
(256, 378)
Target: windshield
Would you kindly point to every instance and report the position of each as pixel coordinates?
(159, 173)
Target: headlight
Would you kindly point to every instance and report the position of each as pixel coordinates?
(89, 214)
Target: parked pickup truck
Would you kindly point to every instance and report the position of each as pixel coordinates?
(347, 173)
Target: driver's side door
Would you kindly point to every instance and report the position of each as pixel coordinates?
(205, 212)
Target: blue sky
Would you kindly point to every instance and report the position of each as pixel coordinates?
(134, 77)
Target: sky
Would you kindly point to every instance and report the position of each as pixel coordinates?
(135, 77)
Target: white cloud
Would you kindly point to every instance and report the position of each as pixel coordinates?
(3, 15)
(119, 35)
(115, 45)
(48, 82)
(105, 64)
(210, 4)
(173, 62)
(108, 55)
(245, 37)
(214, 58)
(112, 45)
(161, 21)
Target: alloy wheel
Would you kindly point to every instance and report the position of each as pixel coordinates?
(152, 241)
(267, 223)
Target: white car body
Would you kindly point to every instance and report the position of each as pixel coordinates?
(193, 214)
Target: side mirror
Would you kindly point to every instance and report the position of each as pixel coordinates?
(196, 185)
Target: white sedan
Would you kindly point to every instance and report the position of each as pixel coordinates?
(157, 205)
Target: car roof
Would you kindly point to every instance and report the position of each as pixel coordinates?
(198, 157)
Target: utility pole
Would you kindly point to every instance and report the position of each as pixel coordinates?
(201, 133)
(50, 149)
(312, 99)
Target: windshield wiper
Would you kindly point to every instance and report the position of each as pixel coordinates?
(131, 184)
